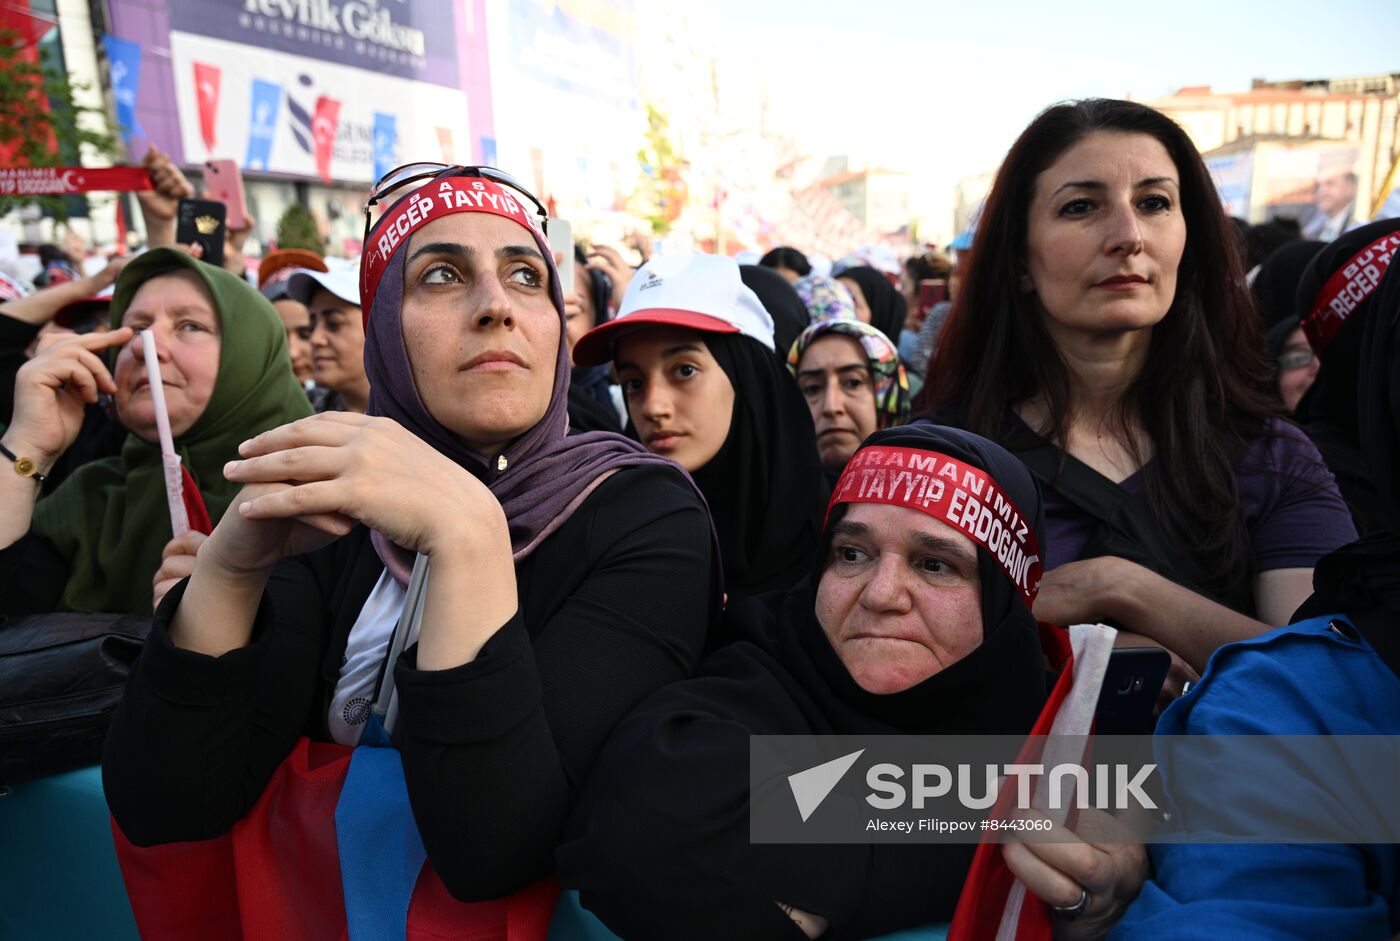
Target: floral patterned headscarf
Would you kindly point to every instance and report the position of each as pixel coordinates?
(886, 371)
(826, 298)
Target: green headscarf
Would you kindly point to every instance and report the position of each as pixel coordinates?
(110, 520)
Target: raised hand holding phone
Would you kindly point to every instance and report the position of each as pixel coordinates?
(202, 222)
(223, 182)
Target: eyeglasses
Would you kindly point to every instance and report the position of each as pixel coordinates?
(410, 173)
(1296, 359)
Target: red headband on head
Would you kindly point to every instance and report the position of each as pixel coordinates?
(1349, 286)
(950, 491)
(431, 201)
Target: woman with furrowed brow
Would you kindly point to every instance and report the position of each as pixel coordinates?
(908, 624)
(569, 575)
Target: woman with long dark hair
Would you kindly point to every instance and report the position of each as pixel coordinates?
(1104, 333)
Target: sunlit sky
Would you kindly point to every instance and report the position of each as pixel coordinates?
(943, 88)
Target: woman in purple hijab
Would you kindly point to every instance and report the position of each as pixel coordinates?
(569, 575)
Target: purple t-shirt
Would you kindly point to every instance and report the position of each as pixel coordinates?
(1290, 504)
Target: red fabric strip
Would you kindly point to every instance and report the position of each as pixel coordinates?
(958, 494)
(56, 181)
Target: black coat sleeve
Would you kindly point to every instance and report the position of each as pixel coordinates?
(34, 574)
(659, 844)
(196, 738)
(495, 750)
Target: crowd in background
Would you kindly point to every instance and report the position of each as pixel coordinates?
(646, 503)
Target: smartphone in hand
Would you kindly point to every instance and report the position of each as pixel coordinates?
(1130, 689)
(202, 221)
(223, 182)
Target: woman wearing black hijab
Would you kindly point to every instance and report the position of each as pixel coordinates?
(1333, 671)
(782, 303)
(590, 387)
(909, 625)
(887, 307)
(1328, 412)
(693, 349)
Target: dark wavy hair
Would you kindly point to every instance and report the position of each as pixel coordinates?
(1203, 389)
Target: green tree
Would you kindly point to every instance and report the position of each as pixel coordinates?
(660, 198)
(43, 126)
(297, 229)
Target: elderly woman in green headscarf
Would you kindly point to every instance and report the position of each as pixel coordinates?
(97, 541)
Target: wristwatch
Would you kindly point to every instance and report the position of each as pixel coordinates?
(24, 466)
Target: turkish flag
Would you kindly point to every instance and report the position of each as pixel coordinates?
(206, 87)
(277, 874)
(323, 127)
(994, 905)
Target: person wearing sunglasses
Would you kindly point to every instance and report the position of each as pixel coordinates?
(569, 575)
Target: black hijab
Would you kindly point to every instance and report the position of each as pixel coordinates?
(766, 487)
(1328, 410)
(780, 299)
(887, 306)
(659, 843)
(1362, 580)
(998, 689)
(591, 405)
(1275, 286)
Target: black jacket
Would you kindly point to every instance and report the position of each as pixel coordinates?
(614, 604)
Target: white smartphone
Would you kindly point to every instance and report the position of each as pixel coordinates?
(561, 242)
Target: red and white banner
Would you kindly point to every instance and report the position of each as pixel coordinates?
(963, 496)
(1348, 287)
(994, 905)
(206, 86)
(432, 201)
(58, 181)
(323, 127)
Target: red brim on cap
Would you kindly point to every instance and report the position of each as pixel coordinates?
(595, 347)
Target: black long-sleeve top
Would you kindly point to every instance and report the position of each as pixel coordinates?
(614, 604)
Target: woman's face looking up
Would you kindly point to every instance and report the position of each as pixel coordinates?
(481, 332)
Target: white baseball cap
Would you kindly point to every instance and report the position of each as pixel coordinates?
(342, 280)
(702, 292)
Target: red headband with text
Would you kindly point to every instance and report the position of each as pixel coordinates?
(433, 201)
(950, 491)
(1348, 287)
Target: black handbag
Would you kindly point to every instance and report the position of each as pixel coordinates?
(61, 677)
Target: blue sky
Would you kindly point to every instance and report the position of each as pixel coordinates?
(943, 88)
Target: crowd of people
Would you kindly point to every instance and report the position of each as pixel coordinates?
(587, 542)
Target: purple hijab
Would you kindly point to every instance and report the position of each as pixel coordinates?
(547, 474)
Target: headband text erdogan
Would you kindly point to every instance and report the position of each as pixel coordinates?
(950, 490)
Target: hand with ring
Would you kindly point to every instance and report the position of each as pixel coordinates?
(1087, 885)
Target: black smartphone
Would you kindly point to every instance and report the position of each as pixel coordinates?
(202, 221)
(1130, 688)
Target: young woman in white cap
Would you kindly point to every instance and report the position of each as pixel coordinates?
(692, 347)
(337, 334)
